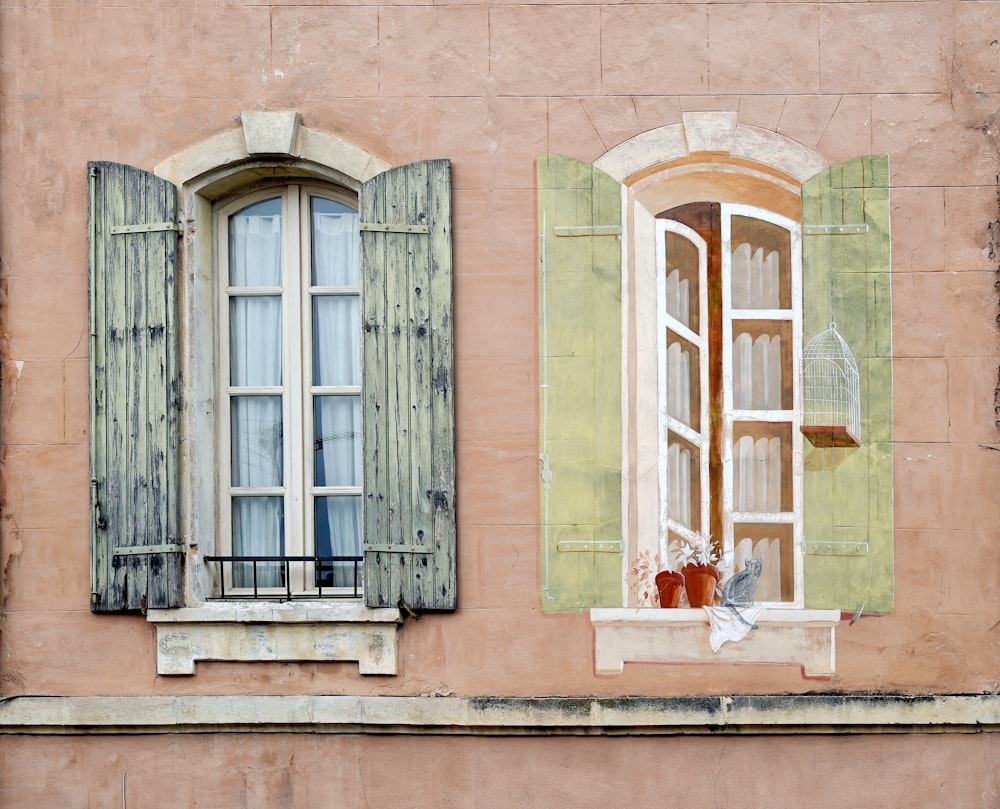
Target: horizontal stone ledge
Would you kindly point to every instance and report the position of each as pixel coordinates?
(514, 716)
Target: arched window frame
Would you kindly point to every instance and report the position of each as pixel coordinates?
(155, 524)
(269, 150)
(298, 388)
(589, 232)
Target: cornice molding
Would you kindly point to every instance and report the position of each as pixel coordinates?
(816, 714)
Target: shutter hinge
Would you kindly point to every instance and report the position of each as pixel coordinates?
(382, 547)
(834, 230)
(152, 227)
(379, 227)
(816, 547)
(588, 230)
(141, 550)
(589, 546)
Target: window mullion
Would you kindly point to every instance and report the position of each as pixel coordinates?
(728, 504)
(292, 382)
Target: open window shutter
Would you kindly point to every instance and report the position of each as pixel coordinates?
(848, 491)
(579, 209)
(409, 405)
(136, 553)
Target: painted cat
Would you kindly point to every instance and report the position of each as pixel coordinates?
(737, 593)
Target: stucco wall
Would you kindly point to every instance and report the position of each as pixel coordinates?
(276, 771)
(491, 87)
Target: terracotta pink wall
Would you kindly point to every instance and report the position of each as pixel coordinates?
(357, 772)
(491, 87)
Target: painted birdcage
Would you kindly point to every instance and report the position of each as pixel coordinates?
(831, 401)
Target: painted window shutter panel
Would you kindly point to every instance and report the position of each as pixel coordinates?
(579, 210)
(136, 553)
(848, 491)
(408, 395)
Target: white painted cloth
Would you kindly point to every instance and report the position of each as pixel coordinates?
(726, 626)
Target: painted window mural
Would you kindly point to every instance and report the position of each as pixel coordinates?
(715, 372)
(727, 447)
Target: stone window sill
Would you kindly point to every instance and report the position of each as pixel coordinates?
(789, 636)
(246, 631)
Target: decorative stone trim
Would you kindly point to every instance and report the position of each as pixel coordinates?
(505, 716)
(710, 132)
(262, 631)
(273, 134)
(270, 132)
(799, 637)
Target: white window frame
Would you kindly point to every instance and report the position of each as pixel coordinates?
(730, 415)
(298, 490)
(636, 315)
(266, 144)
(665, 423)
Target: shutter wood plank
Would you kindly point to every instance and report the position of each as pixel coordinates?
(581, 368)
(409, 408)
(848, 492)
(134, 392)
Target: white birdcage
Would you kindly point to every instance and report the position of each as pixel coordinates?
(831, 402)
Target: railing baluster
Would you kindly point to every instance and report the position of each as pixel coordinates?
(322, 565)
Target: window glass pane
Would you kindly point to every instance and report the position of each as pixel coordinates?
(255, 245)
(683, 483)
(334, 244)
(761, 265)
(338, 533)
(336, 335)
(681, 283)
(337, 440)
(258, 530)
(256, 441)
(255, 341)
(683, 382)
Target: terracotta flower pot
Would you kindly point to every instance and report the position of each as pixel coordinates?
(699, 582)
(669, 583)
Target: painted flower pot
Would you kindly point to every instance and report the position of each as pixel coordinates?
(669, 584)
(699, 582)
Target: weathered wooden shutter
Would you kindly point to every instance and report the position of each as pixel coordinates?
(136, 553)
(579, 209)
(408, 395)
(848, 491)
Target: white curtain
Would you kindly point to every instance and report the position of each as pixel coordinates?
(678, 298)
(336, 335)
(755, 279)
(336, 242)
(757, 372)
(679, 384)
(757, 474)
(679, 485)
(255, 361)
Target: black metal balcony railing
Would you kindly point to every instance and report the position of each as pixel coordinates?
(269, 577)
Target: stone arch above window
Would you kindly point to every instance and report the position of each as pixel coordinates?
(266, 136)
(702, 133)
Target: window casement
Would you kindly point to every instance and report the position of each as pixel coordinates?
(290, 384)
(674, 407)
(728, 448)
(306, 454)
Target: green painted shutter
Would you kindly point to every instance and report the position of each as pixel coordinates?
(848, 491)
(579, 210)
(136, 554)
(409, 405)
